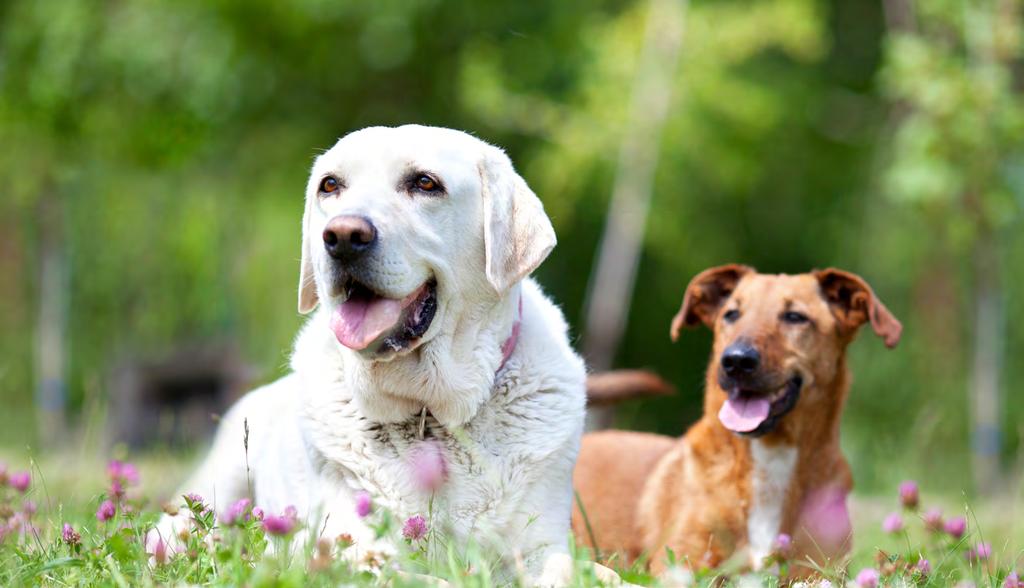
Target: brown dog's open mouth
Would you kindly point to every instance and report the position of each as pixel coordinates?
(756, 413)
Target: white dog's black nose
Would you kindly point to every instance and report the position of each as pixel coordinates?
(346, 236)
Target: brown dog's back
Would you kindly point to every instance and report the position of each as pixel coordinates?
(609, 477)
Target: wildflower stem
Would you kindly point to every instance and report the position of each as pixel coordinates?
(245, 443)
(430, 521)
(34, 465)
(586, 523)
(987, 569)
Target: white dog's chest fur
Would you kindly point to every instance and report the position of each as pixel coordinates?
(771, 476)
(311, 447)
(481, 480)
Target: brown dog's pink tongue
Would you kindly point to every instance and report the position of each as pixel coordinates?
(360, 321)
(744, 414)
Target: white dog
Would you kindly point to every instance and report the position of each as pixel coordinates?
(417, 244)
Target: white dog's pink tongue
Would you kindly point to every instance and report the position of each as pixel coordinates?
(744, 414)
(357, 322)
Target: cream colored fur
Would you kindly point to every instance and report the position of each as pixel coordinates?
(345, 421)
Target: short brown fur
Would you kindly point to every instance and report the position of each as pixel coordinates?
(644, 492)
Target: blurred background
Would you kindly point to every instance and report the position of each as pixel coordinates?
(154, 154)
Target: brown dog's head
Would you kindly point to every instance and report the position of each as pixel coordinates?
(778, 337)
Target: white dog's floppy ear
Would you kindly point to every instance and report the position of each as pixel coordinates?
(518, 235)
(307, 280)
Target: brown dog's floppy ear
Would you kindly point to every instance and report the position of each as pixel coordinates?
(307, 280)
(706, 294)
(854, 303)
(518, 235)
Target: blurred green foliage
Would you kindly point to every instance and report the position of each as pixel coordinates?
(175, 137)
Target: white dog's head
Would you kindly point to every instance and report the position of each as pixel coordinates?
(405, 228)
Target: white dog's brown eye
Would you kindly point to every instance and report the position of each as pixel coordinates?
(329, 185)
(426, 183)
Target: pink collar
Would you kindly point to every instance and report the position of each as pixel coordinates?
(507, 348)
(510, 344)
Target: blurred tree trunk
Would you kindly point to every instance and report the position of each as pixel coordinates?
(970, 52)
(986, 364)
(989, 318)
(899, 15)
(51, 330)
(610, 291)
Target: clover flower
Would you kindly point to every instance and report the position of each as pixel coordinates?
(909, 495)
(70, 536)
(123, 472)
(415, 528)
(867, 578)
(827, 518)
(923, 566)
(956, 527)
(321, 561)
(782, 547)
(1012, 581)
(980, 552)
(106, 511)
(282, 524)
(160, 555)
(20, 481)
(238, 512)
(933, 520)
(429, 467)
(278, 525)
(158, 550)
(196, 504)
(363, 504)
(892, 523)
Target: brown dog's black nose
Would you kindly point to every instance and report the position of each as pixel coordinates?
(347, 236)
(740, 359)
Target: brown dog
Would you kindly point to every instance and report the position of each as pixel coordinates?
(765, 457)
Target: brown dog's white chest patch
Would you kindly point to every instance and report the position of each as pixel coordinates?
(773, 468)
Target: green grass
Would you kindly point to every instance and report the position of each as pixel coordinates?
(69, 488)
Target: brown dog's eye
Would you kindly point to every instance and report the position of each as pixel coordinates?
(329, 185)
(794, 318)
(730, 316)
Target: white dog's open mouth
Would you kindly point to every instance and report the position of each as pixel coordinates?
(366, 317)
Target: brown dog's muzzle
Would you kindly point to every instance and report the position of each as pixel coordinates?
(742, 367)
(756, 399)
